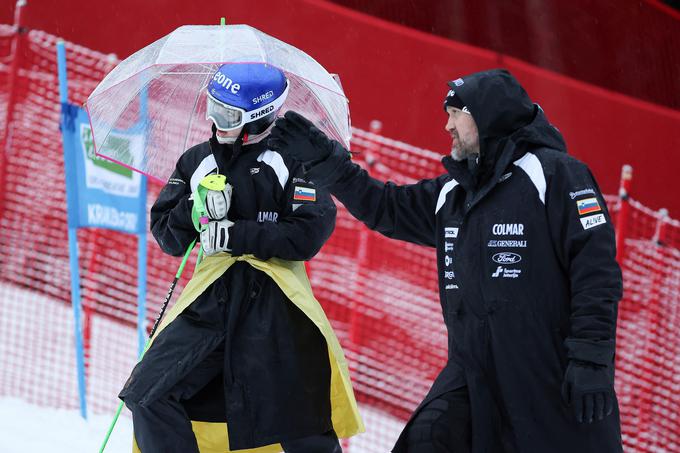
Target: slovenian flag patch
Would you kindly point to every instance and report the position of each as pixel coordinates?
(304, 194)
(587, 206)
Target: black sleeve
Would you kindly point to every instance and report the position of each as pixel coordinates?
(399, 212)
(171, 223)
(304, 226)
(583, 235)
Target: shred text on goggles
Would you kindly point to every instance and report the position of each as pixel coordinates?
(227, 117)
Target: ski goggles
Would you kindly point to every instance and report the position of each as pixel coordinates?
(227, 118)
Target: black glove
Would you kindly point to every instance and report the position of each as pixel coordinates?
(589, 389)
(296, 136)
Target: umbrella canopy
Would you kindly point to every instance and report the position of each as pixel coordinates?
(159, 94)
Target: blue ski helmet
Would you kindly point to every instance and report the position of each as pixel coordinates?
(246, 94)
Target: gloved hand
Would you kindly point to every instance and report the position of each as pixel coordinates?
(215, 237)
(217, 202)
(589, 389)
(296, 136)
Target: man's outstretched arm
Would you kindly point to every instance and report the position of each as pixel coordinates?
(399, 212)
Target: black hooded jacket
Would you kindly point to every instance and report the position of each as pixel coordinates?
(527, 271)
(275, 383)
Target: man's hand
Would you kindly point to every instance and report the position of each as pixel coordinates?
(217, 203)
(296, 136)
(589, 389)
(215, 237)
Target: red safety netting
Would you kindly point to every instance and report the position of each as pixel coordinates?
(380, 295)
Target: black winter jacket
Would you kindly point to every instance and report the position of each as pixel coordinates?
(270, 219)
(275, 383)
(527, 271)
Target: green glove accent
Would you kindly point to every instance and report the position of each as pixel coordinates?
(199, 214)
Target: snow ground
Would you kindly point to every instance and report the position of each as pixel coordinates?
(38, 367)
(25, 428)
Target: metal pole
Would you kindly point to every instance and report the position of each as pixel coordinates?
(16, 54)
(623, 215)
(656, 316)
(141, 289)
(661, 228)
(72, 203)
(141, 235)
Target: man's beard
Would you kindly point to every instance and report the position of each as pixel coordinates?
(460, 151)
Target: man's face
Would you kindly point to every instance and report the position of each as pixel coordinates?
(464, 134)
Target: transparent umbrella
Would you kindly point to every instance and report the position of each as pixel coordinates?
(151, 107)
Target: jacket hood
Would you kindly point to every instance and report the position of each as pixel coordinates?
(503, 110)
(505, 115)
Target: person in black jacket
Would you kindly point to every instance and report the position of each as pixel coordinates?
(242, 352)
(528, 280)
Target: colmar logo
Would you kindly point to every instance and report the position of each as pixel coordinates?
(267, 216)
(511, 229)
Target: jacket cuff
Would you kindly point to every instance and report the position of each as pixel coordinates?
(182, 213)
(328, 171)
(235, 243)
(599, 352)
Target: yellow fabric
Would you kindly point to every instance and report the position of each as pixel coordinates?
(213, 438)
(291, 277)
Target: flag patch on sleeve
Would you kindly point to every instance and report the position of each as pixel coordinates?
(588, 206)
(304, 193)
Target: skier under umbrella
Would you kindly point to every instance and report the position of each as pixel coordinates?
(246, 344)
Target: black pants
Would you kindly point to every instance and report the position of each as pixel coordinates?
(164, 426)
(443, 425)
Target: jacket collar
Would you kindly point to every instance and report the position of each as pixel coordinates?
(478, 189)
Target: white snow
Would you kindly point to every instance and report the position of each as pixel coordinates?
(25, 428)
(37, 376)
(28, 428)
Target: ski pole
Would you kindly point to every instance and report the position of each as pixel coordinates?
(153, 331)
(199, 217)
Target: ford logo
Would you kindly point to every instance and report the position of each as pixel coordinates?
(506, 258)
